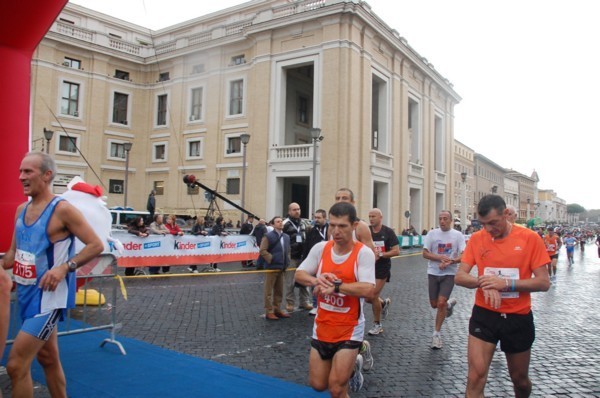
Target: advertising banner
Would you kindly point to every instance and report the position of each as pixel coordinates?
(155, 250)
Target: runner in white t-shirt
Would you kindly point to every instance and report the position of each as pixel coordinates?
(443, 247)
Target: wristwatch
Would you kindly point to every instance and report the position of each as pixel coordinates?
(337, 283)
(72, 265)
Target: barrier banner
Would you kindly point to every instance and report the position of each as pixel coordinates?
(157, 250)
(410, 241)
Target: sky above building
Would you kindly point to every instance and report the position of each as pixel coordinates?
(528, 73)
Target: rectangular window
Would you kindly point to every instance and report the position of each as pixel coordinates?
(115, 186)
(120, 108)
(193, 190)
(69, 103)
(198, 69)
(234, 145)
(163, 77)
(160, 152)
(303, 116)
(159, 187)
(236, 97)
(196, 106)
(121, 74)
(194, 149)
(117, 150)
(238, 60)
(67, 144)
(233, 186)
(161, 111)
(72, 63)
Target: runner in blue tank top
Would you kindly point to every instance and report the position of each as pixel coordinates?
(43, 261)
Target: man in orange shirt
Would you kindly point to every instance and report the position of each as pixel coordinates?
(342, 273)
(553, 244)
(507, 256)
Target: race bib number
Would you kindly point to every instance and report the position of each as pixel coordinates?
(24, 268)
(551, 247)
(298, 238)
(506, 273)
(380, 245)
(335, 303)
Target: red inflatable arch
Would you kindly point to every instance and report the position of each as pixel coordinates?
(22, 26)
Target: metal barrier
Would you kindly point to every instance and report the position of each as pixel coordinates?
(93, 311)
(410, 240)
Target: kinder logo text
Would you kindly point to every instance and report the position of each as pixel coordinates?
(132, 246)
(228, 245)
(184, 245)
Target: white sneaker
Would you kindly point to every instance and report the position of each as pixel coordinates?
(376, 329)
(451, 303)
(216, 270)
(385, 308)
(365, 352)
(357, 379)
(313, 311)
(436, 342)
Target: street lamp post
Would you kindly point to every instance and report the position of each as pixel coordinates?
(48, 136)
(528, 209)
(463, 219)
(245, 138)
(315, 135)
(127, 147)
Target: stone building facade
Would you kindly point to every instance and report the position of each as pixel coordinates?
(184, 97)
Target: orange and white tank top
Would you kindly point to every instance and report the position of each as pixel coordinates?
(340, 317)
(551, 244)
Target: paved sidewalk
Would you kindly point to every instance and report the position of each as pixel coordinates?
(220, 317)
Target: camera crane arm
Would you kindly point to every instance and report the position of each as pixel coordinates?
(191, 182)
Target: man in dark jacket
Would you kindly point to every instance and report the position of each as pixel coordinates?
(296, 228)
(259, 231)
(151, 206)
(318, 233)
(275, 250)
(246, 229)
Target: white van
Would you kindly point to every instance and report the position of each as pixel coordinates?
(122, 218)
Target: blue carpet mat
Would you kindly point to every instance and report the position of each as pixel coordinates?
(150, 371)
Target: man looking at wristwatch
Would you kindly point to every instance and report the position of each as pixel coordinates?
(511, 263)
(42, 255)
(342, 273)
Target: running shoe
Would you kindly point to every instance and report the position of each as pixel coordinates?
(436, 342)
(313, 311)
(451, 304)
(385, 308)
(357, 379)
(376, 329)
(216, 269)
(367, 356)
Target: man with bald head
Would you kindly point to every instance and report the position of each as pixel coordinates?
(362, 232)
(386, 247)
(513, 214)
(296, 228)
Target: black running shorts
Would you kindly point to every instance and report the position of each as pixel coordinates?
(328, 350)
(515, 332)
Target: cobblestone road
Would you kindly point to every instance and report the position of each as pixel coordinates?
(220, 317)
